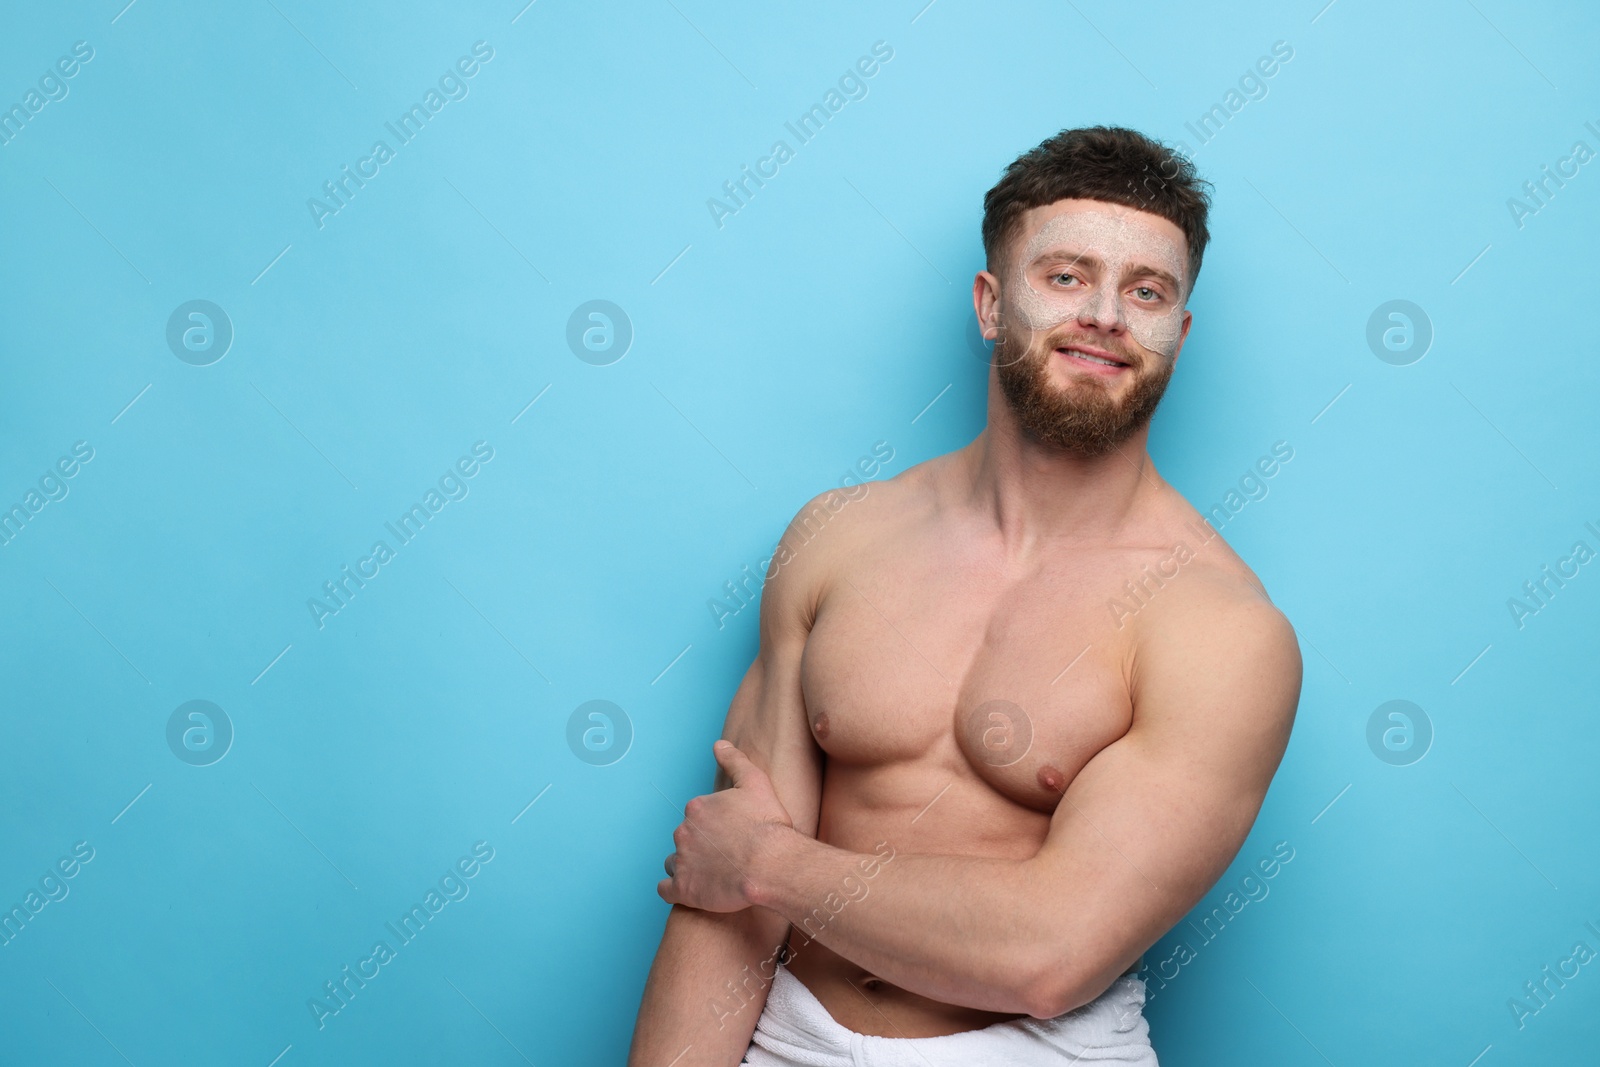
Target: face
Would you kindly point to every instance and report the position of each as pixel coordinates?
(1092, 319)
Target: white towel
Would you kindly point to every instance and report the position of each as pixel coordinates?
(795, 1030)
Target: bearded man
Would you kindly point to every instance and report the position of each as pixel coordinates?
(1013, 712)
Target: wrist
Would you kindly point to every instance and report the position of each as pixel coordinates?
(776, 848)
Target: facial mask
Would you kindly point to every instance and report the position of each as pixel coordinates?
(1119, 245)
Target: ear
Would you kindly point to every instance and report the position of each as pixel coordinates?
(986, 304)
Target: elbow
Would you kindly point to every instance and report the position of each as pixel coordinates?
(1064, 980)
(1041, 1008)
(1053, 988)
(1067, 989)
(1047, 1002)
(1061, 961)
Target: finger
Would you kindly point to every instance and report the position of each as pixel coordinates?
(735, 762)
(671, 868)
(663, 888)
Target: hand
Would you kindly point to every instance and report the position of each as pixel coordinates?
(719, 841)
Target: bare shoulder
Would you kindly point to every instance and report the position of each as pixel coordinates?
(838, 524)
(1216, 648)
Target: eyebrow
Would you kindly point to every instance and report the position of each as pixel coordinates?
(1094, 261)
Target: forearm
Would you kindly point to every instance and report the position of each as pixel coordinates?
(706, 988)
(959, 929)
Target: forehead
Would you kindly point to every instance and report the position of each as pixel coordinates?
(1114, 232)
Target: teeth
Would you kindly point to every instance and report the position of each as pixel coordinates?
(1093, 359)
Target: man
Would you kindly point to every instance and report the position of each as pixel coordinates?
(1014, 711)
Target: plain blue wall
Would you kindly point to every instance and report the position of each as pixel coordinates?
(769, 353)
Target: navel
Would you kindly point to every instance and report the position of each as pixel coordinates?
(1052, 779)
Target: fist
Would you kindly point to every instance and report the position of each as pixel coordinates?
(724, 835)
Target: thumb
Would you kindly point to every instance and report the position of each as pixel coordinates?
(741, 770)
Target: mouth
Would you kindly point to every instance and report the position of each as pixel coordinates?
(1093, 360)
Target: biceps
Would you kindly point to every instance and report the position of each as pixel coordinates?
(767, 721)
(1139, 838)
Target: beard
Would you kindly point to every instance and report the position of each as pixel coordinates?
(1082, 418)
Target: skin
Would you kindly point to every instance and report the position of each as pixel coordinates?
(941, 678)
(1111, 242)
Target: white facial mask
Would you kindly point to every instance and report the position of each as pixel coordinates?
(1119, 245)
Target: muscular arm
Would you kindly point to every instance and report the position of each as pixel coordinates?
(1144, 830)
(688, 1003)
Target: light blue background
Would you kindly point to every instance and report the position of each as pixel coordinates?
(768, 356)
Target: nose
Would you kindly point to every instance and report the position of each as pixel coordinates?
(1102, 307)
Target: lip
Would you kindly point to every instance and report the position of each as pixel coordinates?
(1069, 353)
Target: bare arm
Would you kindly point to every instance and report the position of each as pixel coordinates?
(711, 974)
(1141, 834)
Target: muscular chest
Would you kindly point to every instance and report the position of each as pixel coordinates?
(1014, 680)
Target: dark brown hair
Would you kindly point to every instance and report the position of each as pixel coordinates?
(1110, 163)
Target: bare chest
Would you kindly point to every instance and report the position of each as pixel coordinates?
(1016, 683)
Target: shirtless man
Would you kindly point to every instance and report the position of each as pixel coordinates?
(1014, 710)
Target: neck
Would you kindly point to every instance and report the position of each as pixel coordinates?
(1031, 491)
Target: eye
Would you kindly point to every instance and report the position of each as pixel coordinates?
(1146, 289)
(1062, 274)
